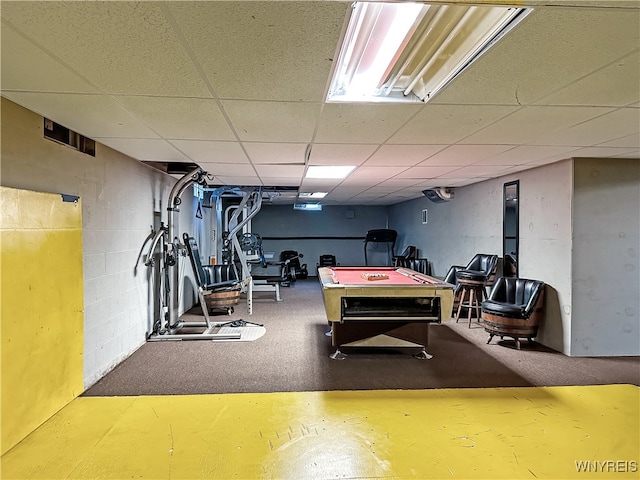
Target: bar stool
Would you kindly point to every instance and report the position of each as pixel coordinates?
(472, 295)
(473, 280)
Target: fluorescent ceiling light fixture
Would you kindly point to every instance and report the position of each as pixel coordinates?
(314, 207)
(323, 171)
(312, 195)
(409, 51)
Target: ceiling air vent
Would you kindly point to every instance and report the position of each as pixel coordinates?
(58, 133)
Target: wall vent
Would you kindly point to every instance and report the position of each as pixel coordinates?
(58, 133)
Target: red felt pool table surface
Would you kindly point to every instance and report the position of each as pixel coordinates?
(397, 276)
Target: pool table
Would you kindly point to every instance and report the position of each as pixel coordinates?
(383, 307)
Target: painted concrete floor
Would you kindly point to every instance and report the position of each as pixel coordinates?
(510, 433)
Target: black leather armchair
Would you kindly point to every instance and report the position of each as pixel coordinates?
(409, 259)
(218, 285)
(481, 268)
(514, 309)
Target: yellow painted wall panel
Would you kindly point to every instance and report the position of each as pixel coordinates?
(42, 317)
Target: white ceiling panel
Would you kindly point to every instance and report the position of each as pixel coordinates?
(243, 59)
(23, 63)
(206, 151)
(236, 180)
(121, 47)
(550, 49)
(101, 115)
(369, 123)
(340, 154)
(616, 85)
(376, 172)
(524, 154)
(461, 155)
(631, 141)
(437, 124)
(605, 152)
(608, 127)
(183, 118)
(540, 122)
(477, 171)
(281, 181)
(283, 171)
(425, 172)
(272, 121)
(405, 155)
(147, 149)
(400, 182)
(276, 153)
(220, 169)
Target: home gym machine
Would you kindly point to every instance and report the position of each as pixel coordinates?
(168, 326)
(240, 246)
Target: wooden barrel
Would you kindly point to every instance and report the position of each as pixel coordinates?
(223, 299)
(515, 327)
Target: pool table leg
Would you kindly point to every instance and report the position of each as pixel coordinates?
(338, 355)
(423, 355)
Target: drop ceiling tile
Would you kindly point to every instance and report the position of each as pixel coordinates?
(276, 153)
(550, 49)
(461, 155)
(23, 64)
(615, 84)
(605, 128)
(272, 121)
(398, 182)
(145, 149)
(530, 124)
(603, 152)
(524, 154)
(340, 154)
(371, 123)
(280, 181)
(632, 154)
(377, 174)
(184, 118)
(381, 189)
(212, 152)
(406, 155)
(94, 116)
(424, 172)
(263, 50)
(319, 184)
(444, 124)
(631, 141)
(239, 181)
(228, 169)
(285, 171)
(477, 171)
(121, 47)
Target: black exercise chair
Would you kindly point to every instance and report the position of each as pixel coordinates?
(292, 269)
(217, 283)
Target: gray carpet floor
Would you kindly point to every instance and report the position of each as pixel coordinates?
(293, 355)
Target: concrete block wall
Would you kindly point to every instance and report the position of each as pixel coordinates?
(472, 223)
(119, 198)
(332, 221)
(606, 269)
